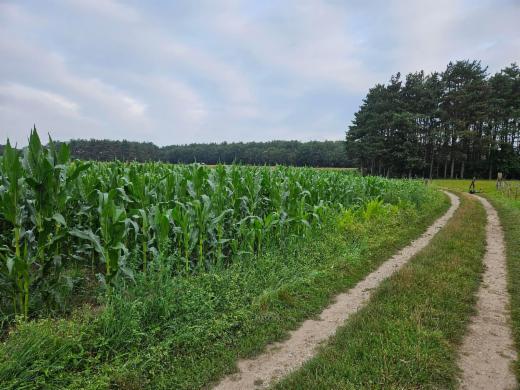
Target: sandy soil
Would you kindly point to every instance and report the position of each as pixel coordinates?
(487, 351)
(279, 359)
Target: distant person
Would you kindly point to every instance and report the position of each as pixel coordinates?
(472, 186)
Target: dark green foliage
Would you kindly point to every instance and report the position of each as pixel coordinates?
(107, 150)
(15, 278)
(34, 198)
(459, 123)
(314, 153)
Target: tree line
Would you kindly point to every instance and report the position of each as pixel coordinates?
(461, 122)
(313, 153)
(295, 153)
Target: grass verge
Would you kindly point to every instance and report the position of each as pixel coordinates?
(407, 336)
(184, 333)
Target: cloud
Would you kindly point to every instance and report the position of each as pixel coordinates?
(183, 71)
(311, 41)
(105, 8)
(427, 35)
(52, 79)
(21, 94)
(174, 102)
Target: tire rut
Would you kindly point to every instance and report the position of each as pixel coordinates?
(487, 351)
(279, 359)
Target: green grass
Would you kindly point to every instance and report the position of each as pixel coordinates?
(186, 332)
(484, 187)
(407, 336)
(509, 212)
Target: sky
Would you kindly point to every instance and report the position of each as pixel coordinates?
(176, 72)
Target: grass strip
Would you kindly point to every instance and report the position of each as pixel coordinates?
(407, 336)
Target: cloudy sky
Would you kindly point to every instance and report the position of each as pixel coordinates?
(174, 72)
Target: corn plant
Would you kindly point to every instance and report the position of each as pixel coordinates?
(16, 262)
(108, 240)
(45, 174)
(182, 218)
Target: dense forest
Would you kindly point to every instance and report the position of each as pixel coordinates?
(458, 123)
(314, 153)
(108, 150)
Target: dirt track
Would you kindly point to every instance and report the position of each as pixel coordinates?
(487, 351)
(279, 359)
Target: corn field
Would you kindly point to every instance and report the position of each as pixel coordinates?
(121, 218)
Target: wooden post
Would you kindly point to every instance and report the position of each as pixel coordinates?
(499, 180)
